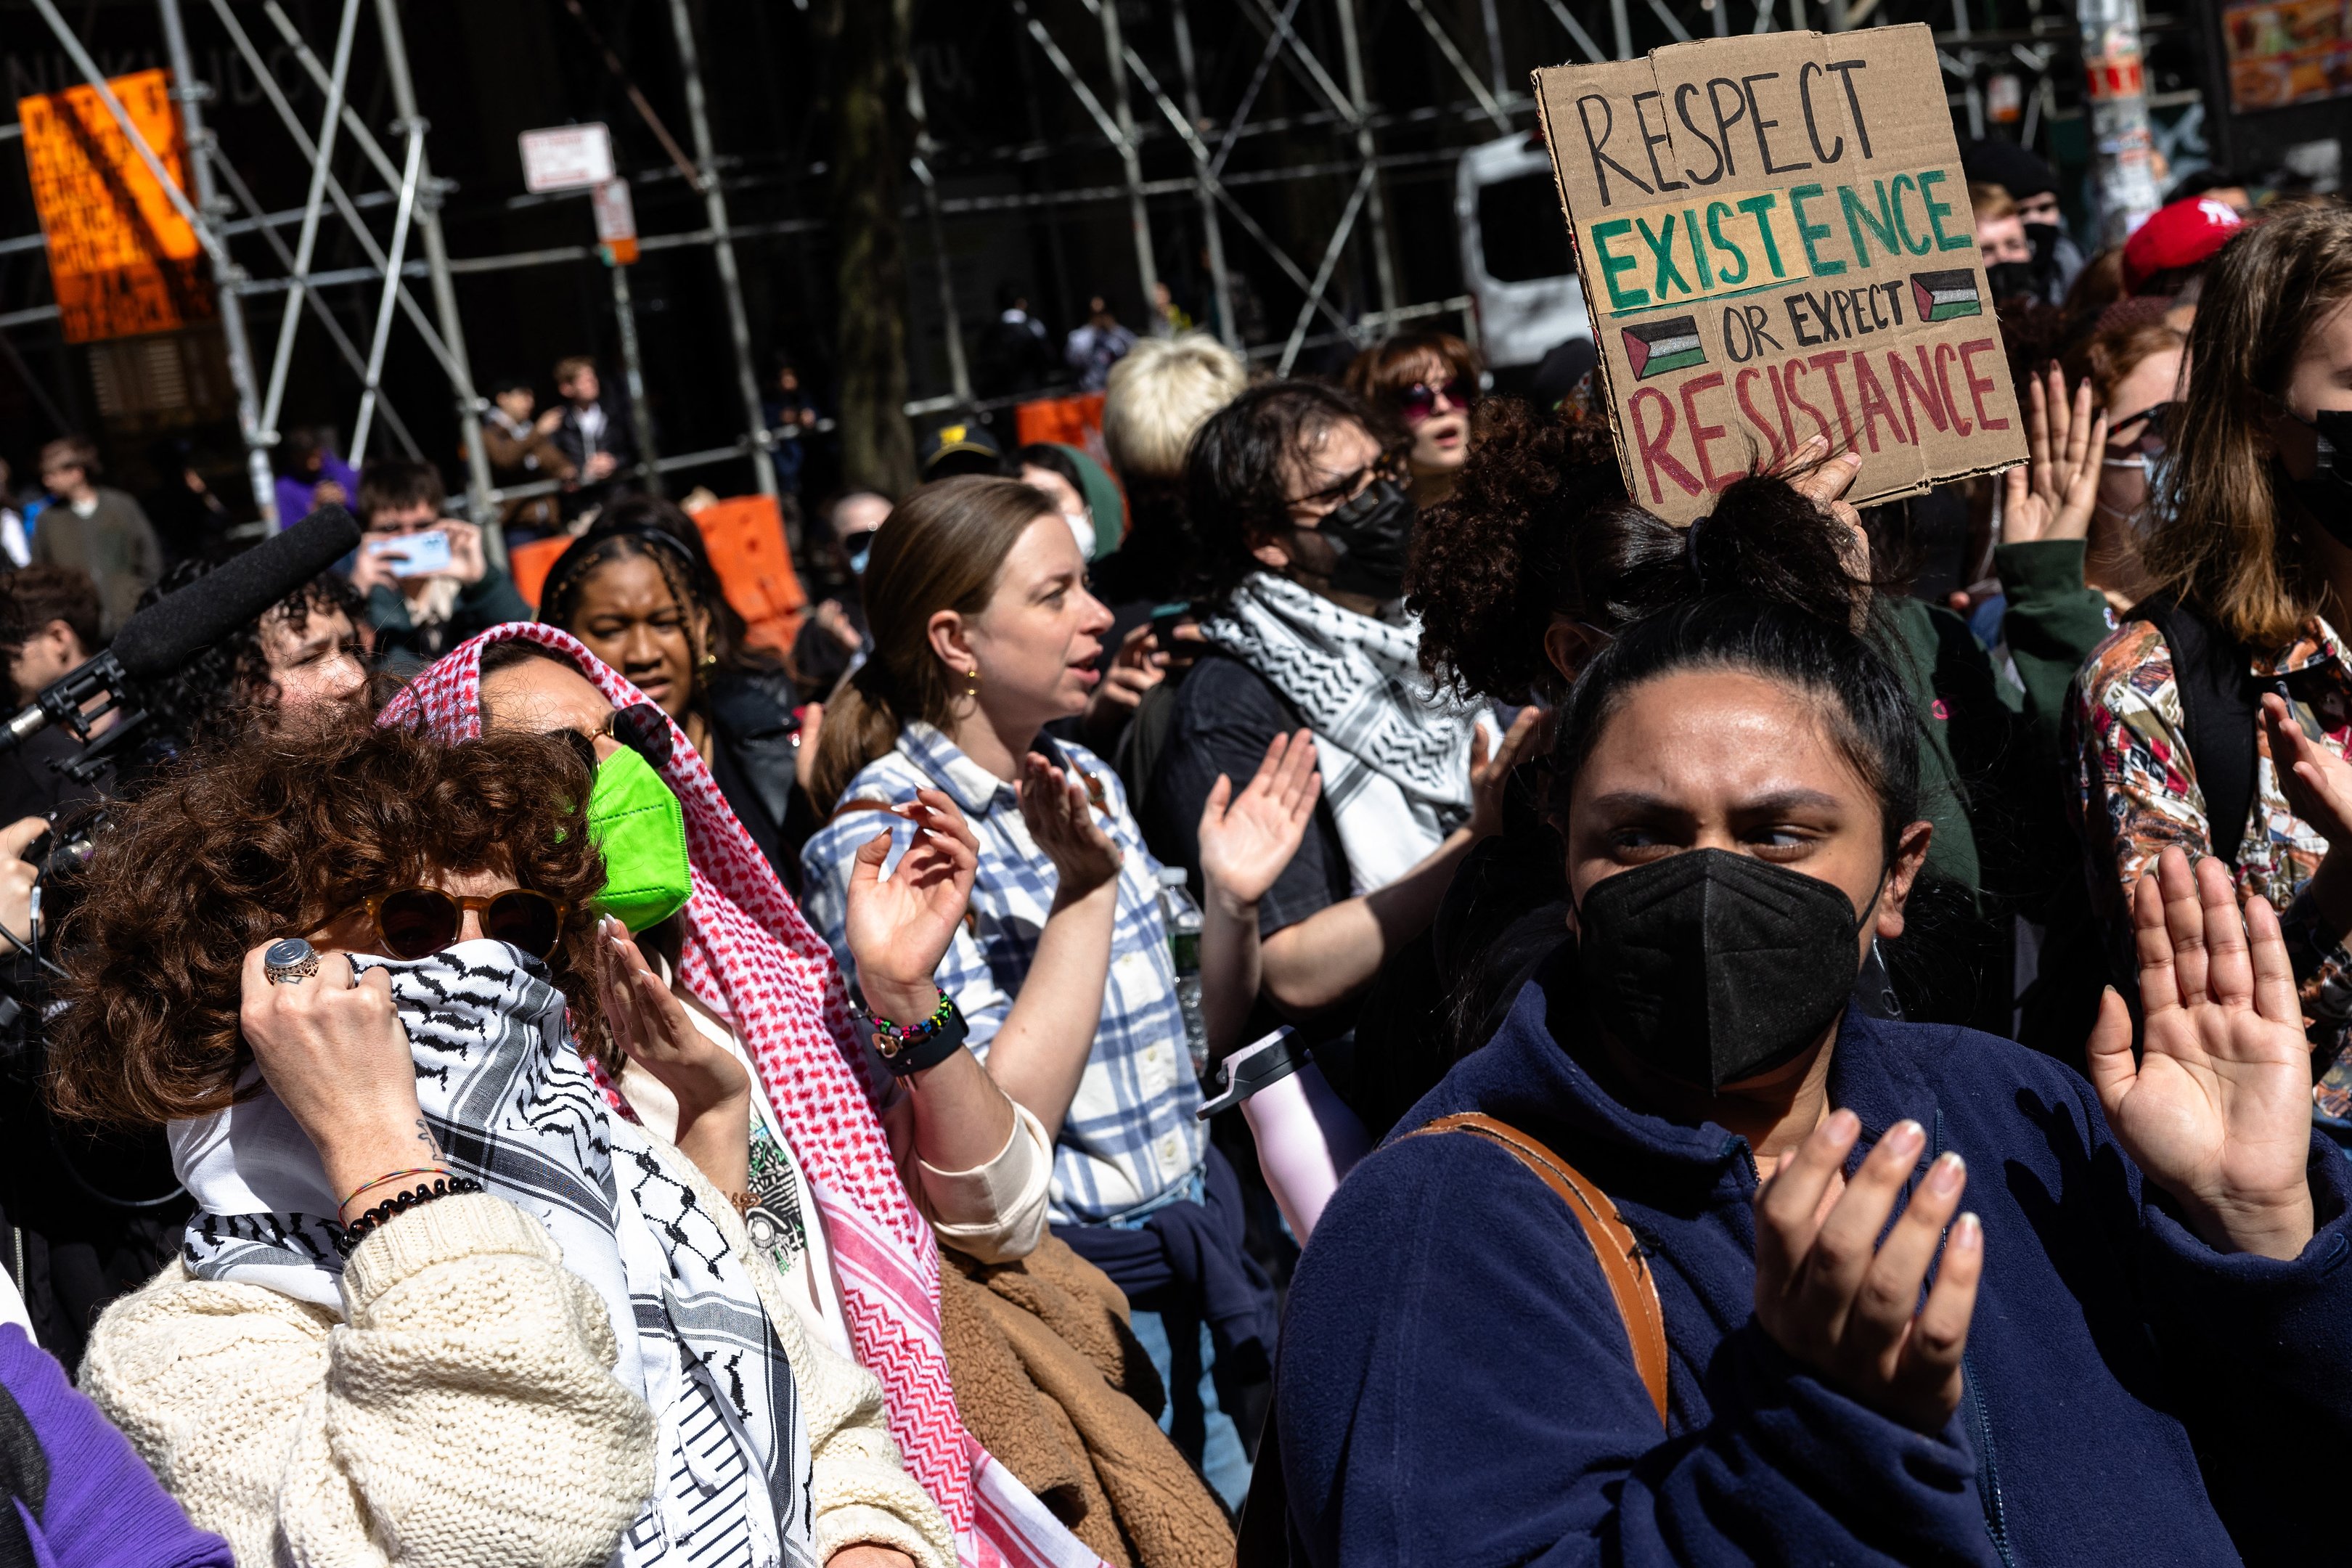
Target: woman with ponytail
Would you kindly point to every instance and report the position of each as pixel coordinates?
(1540, 561)
(1062, 974)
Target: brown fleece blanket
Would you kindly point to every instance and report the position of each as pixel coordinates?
(1052, 1381)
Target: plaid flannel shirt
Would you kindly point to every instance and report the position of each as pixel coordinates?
(1131, 1133)
(2136, 790)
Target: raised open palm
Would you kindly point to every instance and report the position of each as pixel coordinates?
(2052, 498)
(2217, 1110)
(2312, 774)
(899, 926)
(1246, 844)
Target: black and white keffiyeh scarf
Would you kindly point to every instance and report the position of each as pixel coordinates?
(1395, 754)
(511, 1102)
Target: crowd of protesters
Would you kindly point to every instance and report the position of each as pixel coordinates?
(1849, 1011)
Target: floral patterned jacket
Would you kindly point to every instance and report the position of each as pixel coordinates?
(2136, 787)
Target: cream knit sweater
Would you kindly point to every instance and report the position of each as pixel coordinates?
(460, 1411)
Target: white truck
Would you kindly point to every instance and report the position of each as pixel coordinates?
(1516, 265)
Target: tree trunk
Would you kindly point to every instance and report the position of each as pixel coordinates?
(872, 138)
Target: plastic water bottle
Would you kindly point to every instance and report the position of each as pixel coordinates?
(1184, 947)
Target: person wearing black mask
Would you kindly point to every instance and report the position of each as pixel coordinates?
(2001, 244)
(1686, 1265)
(2056, 260)
(1297, 525)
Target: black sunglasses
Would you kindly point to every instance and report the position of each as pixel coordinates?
(641, 727)
(416, 923)
(2152, 422)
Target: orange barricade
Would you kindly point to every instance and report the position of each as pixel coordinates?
(745, 537)
(528, 564)
(1075, 421)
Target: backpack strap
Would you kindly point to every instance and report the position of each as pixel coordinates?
(1621, 1257)
(1265, 1536)
(2220, 708)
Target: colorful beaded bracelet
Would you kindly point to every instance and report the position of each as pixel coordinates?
(349, 1236)
(903, 1033)
(907, 1048)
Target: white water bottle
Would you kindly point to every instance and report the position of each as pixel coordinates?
(1185, 949)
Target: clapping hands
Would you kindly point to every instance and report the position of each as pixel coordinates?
(1246, 840)
(1057, 808)
(899, 926)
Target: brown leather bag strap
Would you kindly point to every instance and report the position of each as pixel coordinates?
(1621, 1263)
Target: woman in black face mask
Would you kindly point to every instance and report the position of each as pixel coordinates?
(1725, 1301)
(1297, 525)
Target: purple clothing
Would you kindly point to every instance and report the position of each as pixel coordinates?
(294, 496)
(75, 1495)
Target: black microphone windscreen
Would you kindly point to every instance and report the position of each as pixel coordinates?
(159, 638)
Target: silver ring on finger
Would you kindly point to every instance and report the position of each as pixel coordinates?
(290, 962)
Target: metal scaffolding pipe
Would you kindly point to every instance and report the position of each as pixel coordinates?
(722, 246)
(1213, 231)
(633, 371)
(1376, 207)
(402, 219)
(291, 322)
(1494, 47)
(1130, 158)
(190, 95)
(345, 204)
(445, 291)
(950, 318)
(327, 321)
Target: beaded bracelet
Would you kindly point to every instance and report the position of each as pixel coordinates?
(907, 1048)
(884, 1029)
(349, 1236)
(389, 1176)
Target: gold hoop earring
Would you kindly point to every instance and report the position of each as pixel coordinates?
(972, 675)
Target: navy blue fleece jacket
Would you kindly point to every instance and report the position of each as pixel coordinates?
(1456, 1387)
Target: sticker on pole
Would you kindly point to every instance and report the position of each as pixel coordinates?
(121, 258)
(617, 223)
(566, 158)
(1775, 243)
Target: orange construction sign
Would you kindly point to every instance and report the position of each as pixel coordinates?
(122, 260)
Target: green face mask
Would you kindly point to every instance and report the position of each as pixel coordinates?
(640, 827)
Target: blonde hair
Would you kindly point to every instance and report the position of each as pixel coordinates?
(1159, 395)
(2221, 543)
(943, 548)
(1990, 204)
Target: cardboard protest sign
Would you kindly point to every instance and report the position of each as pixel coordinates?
(1775, 239)
(121, 258)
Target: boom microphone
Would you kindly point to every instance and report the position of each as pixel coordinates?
(167, 633)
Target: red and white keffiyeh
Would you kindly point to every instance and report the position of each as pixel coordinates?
(751, 953)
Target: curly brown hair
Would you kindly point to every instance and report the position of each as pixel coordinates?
(1541, 528)
(1491, 564)
(277, 832)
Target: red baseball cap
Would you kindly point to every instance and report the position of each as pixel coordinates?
(2185, 234)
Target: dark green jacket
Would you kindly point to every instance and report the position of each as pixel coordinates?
(1989, 769)
(404, 646)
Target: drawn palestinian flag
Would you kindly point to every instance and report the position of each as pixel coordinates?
(1662, 346)
(1941, 295)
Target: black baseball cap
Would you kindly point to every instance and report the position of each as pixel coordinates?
(964, 448)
